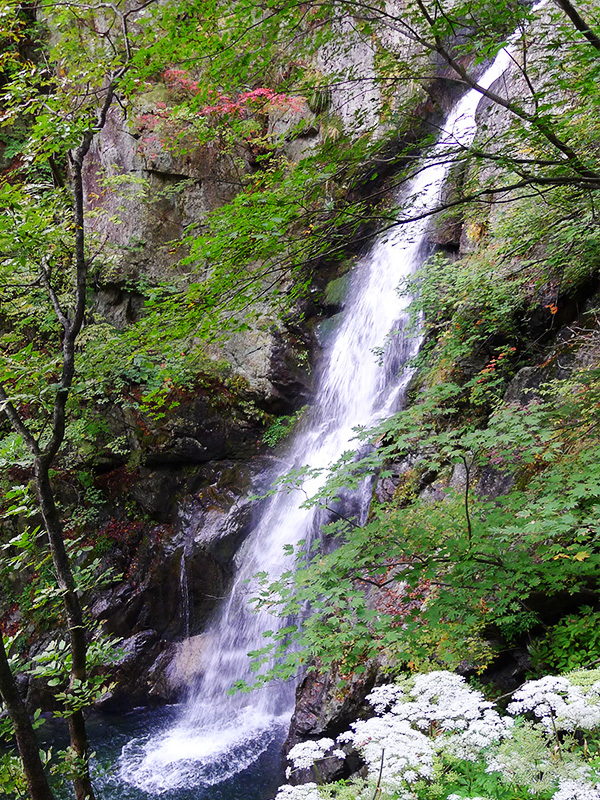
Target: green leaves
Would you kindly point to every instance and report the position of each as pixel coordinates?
(421, 582)
(572, 643)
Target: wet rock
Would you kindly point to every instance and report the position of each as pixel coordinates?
(493, 483)
(197, 433)
(446, 228)
(178, 668)
(289, 373)
(154, 671)
(324, 710)
(213, 523)
(177, 576)
(156, 491)
(336, 291)
(523, 387)
(326, 328)
(132, 687)
(153, 596)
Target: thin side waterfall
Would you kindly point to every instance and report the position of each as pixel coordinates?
(219, 735)
(184, 591)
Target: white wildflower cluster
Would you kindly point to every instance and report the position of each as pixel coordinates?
(382, 697)
(407, 754)
(308, 791)
(577, 790)
(442, 702)
(305, 754)
(457, 719)
(424, 719)
(559, 704)
(478, 734)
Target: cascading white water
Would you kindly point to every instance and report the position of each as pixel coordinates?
(219, 735)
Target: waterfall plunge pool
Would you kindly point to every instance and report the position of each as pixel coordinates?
(244, 762)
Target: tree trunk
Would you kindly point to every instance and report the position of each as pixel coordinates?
(43, 458)
(78, 736)
(37, 783)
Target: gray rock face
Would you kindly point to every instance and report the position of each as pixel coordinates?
(523, 387)
(297, 130)
(138, 654)
(321, 711)
(176, 574)
(204, 425)
(142, 196)
(196, 433)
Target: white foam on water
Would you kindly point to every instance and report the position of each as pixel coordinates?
(186, 757)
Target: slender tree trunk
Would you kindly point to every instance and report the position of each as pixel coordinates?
(44, 457)
(27, 744)
(77, 733)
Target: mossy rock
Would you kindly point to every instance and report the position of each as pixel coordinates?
(319, 100)
(337, 290)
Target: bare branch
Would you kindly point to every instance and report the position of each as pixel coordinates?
(17, 422)
(45, 279)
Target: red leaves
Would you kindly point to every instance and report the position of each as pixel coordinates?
(494, 363)
(122, 530)
(259, 100)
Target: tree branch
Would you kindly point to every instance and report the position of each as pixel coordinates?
(27, 744)
(579, 23)
(17, 423)
(541, 126)
(467, 514)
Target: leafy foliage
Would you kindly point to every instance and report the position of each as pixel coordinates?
(279, 430)
(453, 580)
(570, 644)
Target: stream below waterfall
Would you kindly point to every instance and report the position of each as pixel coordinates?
(217, 746)
(112, 734)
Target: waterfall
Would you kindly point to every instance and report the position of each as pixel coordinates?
(219, 735)
(184, 592)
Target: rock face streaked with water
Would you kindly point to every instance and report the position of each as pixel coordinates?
(217, 734)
